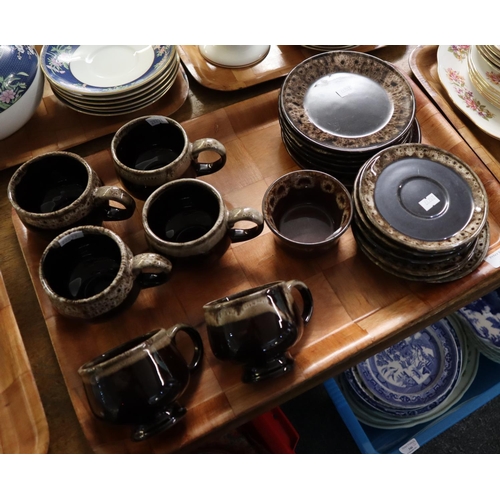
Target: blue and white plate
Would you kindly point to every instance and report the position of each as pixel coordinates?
(481, 322)
(416, 372)
(104, 69)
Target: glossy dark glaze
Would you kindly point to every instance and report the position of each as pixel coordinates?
(257, 327)
(141, 391)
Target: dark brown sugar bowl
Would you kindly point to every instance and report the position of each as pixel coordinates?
(307, 210)
(89, 272)
(140, 382)
(257, 327)
(188, 220)
(152, 150)
(58, 190)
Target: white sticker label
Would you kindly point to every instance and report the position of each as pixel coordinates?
(343, 90)
(410, 446)
(429, 201)
(494, 259)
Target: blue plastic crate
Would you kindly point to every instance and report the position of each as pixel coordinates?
(369, 439)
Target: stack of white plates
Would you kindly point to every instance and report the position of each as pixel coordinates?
(337, 109)
(420, 213)
(109, 80)
(484, 71)
(481, 320)
(414, 381)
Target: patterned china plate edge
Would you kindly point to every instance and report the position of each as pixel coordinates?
(406, 367)
(306, 74)
(369, 177)
(453, 74)
(55, 63)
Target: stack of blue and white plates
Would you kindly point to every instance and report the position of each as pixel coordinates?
(109, 80)
(415, 380)
(481, 322)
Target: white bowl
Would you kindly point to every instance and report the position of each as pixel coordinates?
(21, 87)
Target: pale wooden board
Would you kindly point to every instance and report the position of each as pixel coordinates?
(280, 60)
(23, 425)
(56, 127)
(359, 308)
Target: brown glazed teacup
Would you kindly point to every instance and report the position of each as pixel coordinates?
(58, 190)
(256, 327)
(88, 271)
(187, 219)
(307, 211)
(152, 150)
(139, 382)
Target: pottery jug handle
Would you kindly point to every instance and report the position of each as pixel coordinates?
(195, 338)
(307, 298)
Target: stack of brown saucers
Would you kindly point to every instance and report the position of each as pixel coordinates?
(420, 213)
(337, 109)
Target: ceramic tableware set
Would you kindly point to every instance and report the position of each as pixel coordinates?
(337, 109)
(414, 381)
(421, 214)
(109, 80)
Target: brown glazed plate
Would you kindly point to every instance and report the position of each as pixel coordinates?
(413, 192)
(373, 103)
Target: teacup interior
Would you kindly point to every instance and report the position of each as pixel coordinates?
(51, 183)
(183, 212)
(82, 265)
(150, 144)
(307, 213)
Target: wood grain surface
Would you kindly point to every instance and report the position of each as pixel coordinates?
(423, 63)
(278, 62)
(23, 425)
(359, 309)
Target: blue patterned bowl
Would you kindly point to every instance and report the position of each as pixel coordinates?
(21, 86)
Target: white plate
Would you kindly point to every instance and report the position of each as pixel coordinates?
(454, 76)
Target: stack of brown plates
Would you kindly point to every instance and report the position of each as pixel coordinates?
(420, 213)
(337, 109)
(109, 80)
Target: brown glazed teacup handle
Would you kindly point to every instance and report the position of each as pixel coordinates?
(307, 298)
(105, 194)
(159, 269)
(248, 214)
(195, 338)
(207, 144)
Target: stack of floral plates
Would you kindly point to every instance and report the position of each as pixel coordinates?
(420, 213)
(109, 80)
(471, 78)
(414, 381)
(484, 72)
(337, 109)
(481, 321)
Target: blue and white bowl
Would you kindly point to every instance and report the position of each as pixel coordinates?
(21, 86)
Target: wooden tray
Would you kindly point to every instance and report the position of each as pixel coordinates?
(280, 60)
(359, 309)
(54, 126)
(23, 426)
(423, 63)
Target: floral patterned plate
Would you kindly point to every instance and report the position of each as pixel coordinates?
(454, 76)
(104, 69)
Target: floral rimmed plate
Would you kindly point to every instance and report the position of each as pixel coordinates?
(104, 69)
(454, 76)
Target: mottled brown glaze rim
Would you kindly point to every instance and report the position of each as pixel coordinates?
(366, 188)
(305, 74)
